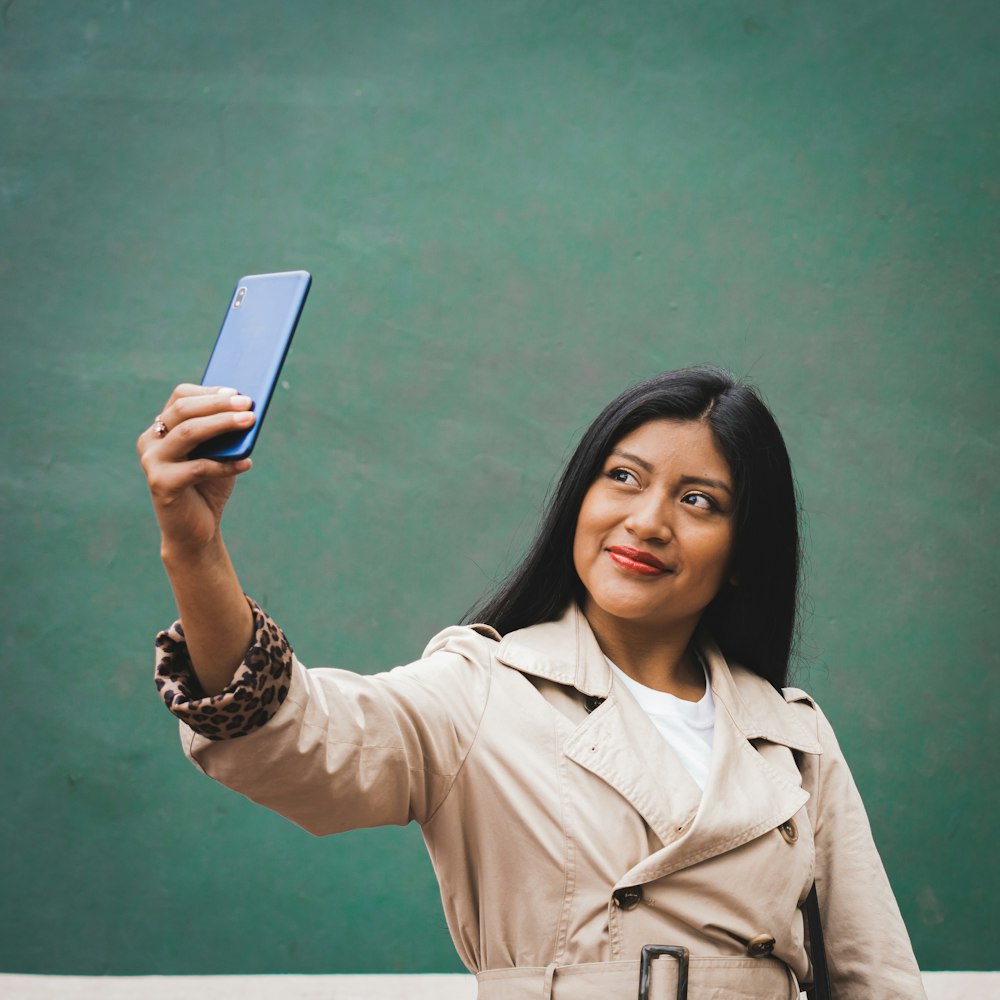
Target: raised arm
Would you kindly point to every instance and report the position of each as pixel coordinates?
(189, 496)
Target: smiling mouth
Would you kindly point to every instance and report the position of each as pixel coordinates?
(637, 561)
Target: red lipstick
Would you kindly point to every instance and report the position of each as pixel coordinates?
(636, 560)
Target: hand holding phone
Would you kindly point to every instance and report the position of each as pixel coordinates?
(251, 348)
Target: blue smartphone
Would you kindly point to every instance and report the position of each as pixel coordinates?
(251, 348)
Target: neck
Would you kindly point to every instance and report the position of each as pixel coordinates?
(657, 658)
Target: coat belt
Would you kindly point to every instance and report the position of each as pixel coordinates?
(709, 978)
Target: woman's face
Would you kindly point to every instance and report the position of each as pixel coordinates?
(655, 533)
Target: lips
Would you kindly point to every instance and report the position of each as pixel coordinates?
(637, 561)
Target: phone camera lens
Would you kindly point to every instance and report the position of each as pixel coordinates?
(240, 296)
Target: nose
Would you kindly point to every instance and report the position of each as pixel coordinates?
(649, 518)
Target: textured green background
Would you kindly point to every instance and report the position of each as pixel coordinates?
(511, 209)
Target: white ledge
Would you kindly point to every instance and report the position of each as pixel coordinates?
(14, 986)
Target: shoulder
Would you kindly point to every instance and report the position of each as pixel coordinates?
(760, 711)
(795, 696)
(812, 716)
(476, 643)
(810, 712)
(803, 706)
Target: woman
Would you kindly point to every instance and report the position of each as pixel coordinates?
(609, 759)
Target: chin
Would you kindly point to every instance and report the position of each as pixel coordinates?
(627, 611)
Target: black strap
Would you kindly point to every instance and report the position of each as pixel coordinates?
(817, 950)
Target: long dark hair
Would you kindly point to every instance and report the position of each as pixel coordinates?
(752, 620)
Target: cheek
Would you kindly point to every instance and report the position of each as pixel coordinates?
(586, 538)
(715, 555)
(722, 555)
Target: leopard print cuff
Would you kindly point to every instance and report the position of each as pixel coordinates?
(255, 693)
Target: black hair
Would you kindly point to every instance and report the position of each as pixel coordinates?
(753, 618)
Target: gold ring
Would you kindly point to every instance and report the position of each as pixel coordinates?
(159, 427)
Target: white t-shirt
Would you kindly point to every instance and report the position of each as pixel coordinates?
(688, 726)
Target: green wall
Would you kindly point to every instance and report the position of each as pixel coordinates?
(511, 209)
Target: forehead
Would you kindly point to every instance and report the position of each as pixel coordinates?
(687, 446)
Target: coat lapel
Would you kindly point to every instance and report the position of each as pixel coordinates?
(617, 742)
(745, 795)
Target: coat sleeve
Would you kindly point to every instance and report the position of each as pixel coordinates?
(868, 949)
(340, 750)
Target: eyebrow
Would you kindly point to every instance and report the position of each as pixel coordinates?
(641, 462)
(687, 480)
(705, 481)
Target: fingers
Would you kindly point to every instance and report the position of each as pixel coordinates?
(194, 414)
(183, 407)
(181, 439)
(187, 389)
(168, 480)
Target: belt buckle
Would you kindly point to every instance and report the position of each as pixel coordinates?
(650, 953)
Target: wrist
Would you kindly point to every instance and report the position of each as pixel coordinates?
(201, 556)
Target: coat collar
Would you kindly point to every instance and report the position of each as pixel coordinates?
(745, 795)
(566, 651)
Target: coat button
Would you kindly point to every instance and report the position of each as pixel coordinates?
(789, 831)
(628, 897)
(761, 945)
(593, 702)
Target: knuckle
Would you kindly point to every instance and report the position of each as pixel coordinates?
(184, 431)
(156, 484)
(209, 467)
(181, 390)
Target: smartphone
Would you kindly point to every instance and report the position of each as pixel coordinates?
(251, 348)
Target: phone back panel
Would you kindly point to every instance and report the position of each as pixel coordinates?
(251, 348)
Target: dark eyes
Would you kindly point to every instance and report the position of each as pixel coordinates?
(702, 500)
(620, 476)
(697, 499)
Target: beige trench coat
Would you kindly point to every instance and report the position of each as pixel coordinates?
(566, 835)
